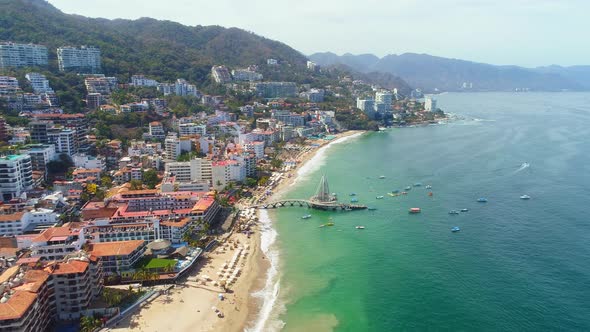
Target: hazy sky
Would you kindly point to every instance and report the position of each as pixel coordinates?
(521, 32)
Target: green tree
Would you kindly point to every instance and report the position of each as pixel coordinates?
(106, 181)
(150, 178)
(136, 185)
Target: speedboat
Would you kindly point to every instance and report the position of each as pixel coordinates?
(417, 184)
(414, 210)
(455, 229)
(330, 224)
(525, 197)
(404, 192)
(408, 188)
(322, 225)
(382, 177)
(482, 200)
(379, 197)
(360, 227)
(453, 212)
(354, 200)
(428, 186)
(464, 210)
(307, 216)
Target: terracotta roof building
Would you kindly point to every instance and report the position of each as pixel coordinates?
(26, 306)
(118, 257)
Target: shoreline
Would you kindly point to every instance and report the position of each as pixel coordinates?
(270, 292)
(192, 303)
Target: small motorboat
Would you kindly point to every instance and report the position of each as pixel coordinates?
(464, 210)
(330, 224)
(354, 200)
(382, 177)
(482, 200)
(525, 197)
(322, 225)
(414, 210)
(371, 208)
(307, 216)
(408, 188)
(352, 194)
(455, 229)
(379, 197)
(418, 184)
(395, 191)
(360, 227)
(453, 212)
(404, 192)
(428, 186)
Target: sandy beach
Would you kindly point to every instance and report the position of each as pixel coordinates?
(190, 305)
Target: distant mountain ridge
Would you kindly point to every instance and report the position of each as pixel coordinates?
(431, 72)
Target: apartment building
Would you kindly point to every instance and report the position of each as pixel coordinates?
(84, 59)
(118, 257)
(22, 55)
(16, 175)
(27, 300)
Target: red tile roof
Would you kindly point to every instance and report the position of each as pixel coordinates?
(120, 248)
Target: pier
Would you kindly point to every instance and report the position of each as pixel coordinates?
(322, 200)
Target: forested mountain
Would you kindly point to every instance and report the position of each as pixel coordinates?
(162, 49)
(430, 72)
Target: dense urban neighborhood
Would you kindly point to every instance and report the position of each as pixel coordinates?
(126, 180)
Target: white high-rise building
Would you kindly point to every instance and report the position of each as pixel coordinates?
(64, 140)
(198, 169)
(188, 129)
(16, 175)
(22, 55)
(39, 83)
(384, 97)
(429, 104)
(85, 58)
(365, 105)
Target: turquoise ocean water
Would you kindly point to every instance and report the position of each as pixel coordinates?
(516, 265)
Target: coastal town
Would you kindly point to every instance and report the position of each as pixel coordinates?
(137, 201)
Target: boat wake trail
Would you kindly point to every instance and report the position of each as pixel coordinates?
(522, 167)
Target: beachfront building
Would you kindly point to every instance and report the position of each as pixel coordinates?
(16, 176)
(429, 104)
(118, 258)
(383, 101)
(76, 282)
(22, 55)
(366, 105)
(26, 300)
(85, 59)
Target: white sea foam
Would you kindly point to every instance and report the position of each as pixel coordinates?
(270, 292)
(319, 158)
(268, 317)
